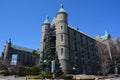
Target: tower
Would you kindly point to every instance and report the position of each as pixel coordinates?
(6, 57)
(45, 31)
(62, 38)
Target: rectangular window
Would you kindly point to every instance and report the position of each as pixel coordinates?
(62, 51)
(83, 62)
(74, 36)
(14, 59)
(75, 46)
(68, 32)
(61, 38)
(61, 27)
(81, 39)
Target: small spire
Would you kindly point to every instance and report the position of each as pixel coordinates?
(62, 9)
(61, 5)
(47, 20)
(9, 41)
(105, 36)
(106, 32)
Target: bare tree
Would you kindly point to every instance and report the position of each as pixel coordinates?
(109, 54)
(104, 58)
(115, 53)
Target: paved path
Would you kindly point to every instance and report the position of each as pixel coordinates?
(117, 78)
(11, 78)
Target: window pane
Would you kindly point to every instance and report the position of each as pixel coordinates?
(62, 51)
(61, 27)
(61, 38)
(14, 59)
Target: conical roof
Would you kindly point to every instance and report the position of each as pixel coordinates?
(62, 9)
(47, 20)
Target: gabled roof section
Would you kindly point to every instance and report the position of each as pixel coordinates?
(22, 48)
(62, 9)
(47, 21)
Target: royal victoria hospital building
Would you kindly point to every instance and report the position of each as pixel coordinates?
(73, 47)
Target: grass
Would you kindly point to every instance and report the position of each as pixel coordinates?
(34, 76)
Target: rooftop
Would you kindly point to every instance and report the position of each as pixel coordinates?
(22, 48)
(80, 31)
(62, 9)
(47, 20)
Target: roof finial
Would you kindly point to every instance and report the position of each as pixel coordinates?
(61, 5)
(106, 32)
(47, 17)
(9, 41)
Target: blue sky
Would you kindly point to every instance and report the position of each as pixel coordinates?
(21, 20)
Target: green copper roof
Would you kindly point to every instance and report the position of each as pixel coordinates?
(105, 36)
(22, 48)
(47, 20)
(62, 9)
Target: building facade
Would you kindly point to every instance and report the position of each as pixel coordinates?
(14, 55)
(76, 50)
(73, 48)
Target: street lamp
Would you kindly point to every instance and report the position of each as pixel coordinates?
(74, 69)
(53, 68)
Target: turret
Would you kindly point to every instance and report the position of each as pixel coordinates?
(45, 30)
(62, 38)
(62, 14)
(45, 27)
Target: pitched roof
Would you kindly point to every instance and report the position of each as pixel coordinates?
(22, 48)
(80, 32)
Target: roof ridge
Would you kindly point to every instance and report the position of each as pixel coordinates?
(80, 32)
(22, 48)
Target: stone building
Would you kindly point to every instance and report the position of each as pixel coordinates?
(73, 47)
(77, 50)
(19, 56)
